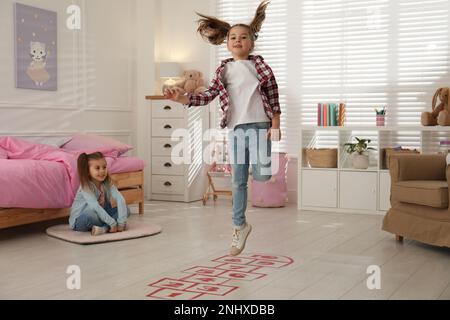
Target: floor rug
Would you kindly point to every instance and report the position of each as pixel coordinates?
(135, 229)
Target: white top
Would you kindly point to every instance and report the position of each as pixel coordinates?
(245, 104)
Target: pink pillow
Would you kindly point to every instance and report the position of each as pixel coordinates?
(3, 153)
(90, 141)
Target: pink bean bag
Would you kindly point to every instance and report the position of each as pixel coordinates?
(272, 193)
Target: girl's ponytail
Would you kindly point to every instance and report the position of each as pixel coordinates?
(83, 170)
(260, 16)
(215, 31)
(212, 29)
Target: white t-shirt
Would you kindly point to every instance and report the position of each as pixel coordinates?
(245, 104)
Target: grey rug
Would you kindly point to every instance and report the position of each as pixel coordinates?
(135, 229)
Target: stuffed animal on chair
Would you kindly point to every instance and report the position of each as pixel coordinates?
(441, 113)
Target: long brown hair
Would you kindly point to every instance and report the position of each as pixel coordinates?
(83, 170)
(215, 31)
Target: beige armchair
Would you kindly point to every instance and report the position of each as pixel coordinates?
(419, 199)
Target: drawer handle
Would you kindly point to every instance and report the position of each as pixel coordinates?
(167, 165)
(167, 108)
(167, 146)
(167, 126)
(167, 184)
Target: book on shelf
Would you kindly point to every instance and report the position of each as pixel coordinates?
(330, 114)
(341, 117)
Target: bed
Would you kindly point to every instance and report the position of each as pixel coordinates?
(39, 182)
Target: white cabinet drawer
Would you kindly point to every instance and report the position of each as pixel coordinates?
(358, 190)
(164, 147)
(167, 184)
(385, 191)
(319, 188)
(165, 127)
(164, 165)
(167, 109)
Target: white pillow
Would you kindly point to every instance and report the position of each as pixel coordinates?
(55, 141)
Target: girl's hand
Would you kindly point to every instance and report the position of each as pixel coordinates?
(174, 94)
(274, 134)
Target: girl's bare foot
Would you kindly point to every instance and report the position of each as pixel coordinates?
(113, 229)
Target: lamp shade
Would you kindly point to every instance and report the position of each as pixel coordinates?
(169, 70)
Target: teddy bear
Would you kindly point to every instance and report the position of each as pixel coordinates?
(192, 82)
(441, 113)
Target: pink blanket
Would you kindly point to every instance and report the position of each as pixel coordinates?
(124, 164)
(42, 176)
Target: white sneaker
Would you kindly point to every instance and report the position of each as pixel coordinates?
(96, 231)
(239, 239)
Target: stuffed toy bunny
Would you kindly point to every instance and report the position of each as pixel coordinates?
(441, 113)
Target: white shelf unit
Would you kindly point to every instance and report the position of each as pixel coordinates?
(348, 190)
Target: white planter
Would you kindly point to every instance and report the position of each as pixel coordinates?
(360, 161)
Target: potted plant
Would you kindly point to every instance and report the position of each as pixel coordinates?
(359, 152)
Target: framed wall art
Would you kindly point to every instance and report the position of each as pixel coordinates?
(35, 33)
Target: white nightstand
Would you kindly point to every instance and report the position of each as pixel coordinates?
(168, 180)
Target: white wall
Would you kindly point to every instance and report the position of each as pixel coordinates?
(177, 39)
(96, 74)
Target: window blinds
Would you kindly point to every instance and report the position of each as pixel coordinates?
(366, 53)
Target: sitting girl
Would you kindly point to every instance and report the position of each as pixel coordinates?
(91, 209)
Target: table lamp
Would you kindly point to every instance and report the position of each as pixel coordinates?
(169, 72)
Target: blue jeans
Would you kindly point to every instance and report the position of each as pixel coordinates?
(248, 146)
(87, 220)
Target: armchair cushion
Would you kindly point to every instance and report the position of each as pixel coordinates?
(433, 193)
(405, 167)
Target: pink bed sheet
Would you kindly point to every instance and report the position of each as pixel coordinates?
(34, 184)
(41, 176)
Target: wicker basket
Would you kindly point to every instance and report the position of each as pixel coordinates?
(322, 158)
(390, 151)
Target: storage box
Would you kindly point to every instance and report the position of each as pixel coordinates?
(322, 158)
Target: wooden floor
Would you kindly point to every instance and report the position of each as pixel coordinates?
(331, 254)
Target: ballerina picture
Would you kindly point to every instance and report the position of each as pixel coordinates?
(35, 48)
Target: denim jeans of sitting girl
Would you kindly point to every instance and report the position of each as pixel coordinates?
(248, 146)
(87, 220)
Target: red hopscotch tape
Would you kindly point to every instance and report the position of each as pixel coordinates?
(228, 274)
(171, 294)
(171, 283)
(237, 267)
(182, 285)
(246, 276)
(214, 289)
(198, 278)
(234, 260)
(269, 264)
(206, 271)
(269, 257)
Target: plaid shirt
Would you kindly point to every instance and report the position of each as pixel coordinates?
(268, 89)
